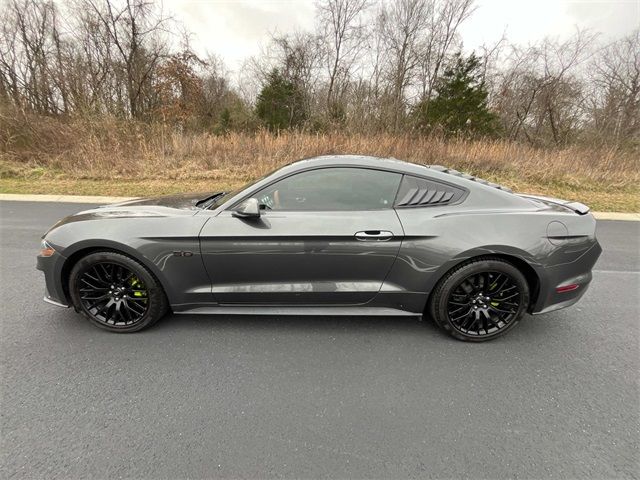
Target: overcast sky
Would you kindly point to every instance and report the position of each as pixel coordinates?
(235, 29)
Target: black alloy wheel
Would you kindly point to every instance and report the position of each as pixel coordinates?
(484, 303)
(113, 294)
(116, 292)
(480, 299)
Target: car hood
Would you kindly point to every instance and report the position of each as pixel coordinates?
(166, 206)
(185, 201)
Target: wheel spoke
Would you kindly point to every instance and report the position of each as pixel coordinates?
(94, 279)
(132, 310)
(104, 274)
(467, 287)
(96, 302)
(93, 287)
(476, 320)
(480, 282)
(491, 320)
(511, 304)
(97, 274)
(502, 285)
(493, 284)
(453, 312)
(129, 276)
(470, 320)
(458, 304)
(121, 311)
(461, 316)
(104, 307)
(499, 310)
(504, 291)
(502, 299)
(138, 299)
(100, 297)
(137, 307)
(99, 289)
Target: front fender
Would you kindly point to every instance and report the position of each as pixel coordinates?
(169, 247)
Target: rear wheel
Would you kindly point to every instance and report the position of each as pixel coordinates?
(480, 300)
(116, 293)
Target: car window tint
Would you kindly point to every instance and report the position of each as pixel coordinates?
(329, 189)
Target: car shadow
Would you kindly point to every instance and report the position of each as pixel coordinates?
(530, 329)
(293, 322)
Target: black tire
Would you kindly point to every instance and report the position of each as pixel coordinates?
(497, 315)
(146, 308)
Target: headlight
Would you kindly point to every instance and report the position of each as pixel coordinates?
(46, 250)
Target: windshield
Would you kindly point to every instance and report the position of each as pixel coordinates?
(225, 196)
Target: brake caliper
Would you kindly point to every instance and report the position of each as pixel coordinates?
(138, 287)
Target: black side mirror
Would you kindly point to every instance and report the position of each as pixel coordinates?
(250, 208)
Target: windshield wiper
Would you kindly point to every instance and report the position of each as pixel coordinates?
(206, 202)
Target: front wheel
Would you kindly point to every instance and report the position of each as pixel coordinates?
(116, 293)
(480, 300)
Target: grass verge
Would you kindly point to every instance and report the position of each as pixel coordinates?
(132, 159)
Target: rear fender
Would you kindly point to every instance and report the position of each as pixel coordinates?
(527, 264)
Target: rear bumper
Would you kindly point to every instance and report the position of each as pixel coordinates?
(52, 269)
(577, 273)
(556, 301)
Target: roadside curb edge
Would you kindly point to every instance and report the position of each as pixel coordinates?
(17, 197)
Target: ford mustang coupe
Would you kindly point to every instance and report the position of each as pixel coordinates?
(331, 235)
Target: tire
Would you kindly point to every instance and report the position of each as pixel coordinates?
(476, 287)
(137, 301)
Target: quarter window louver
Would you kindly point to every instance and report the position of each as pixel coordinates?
(415, 191)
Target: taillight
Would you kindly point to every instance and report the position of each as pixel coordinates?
(567, 288)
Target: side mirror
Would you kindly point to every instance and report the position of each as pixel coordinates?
(250, 208)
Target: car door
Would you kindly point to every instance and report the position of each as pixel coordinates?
(326, 236)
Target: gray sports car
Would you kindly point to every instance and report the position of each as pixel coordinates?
(331, 235)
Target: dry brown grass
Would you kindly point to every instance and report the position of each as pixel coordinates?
(111, 157)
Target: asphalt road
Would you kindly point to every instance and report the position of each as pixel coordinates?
(248, 397)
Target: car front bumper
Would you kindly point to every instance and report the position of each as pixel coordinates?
(52, 268)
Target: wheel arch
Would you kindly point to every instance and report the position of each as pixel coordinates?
(530, 274)
(82, 249)
(517, 258)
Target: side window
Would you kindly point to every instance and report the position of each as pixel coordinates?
(417, 192)
(328, 189)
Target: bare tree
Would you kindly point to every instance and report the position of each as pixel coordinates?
(366, 68)
(402, 27)
(540, 93)
(442, 37)
(341, 33)
(615, 93)
(134, 29)
(27, 44)
(417, 37)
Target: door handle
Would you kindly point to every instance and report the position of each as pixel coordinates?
(374, 235)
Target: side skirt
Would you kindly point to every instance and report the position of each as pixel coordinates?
(298, 310)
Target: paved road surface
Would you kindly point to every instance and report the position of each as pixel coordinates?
(317, 397)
